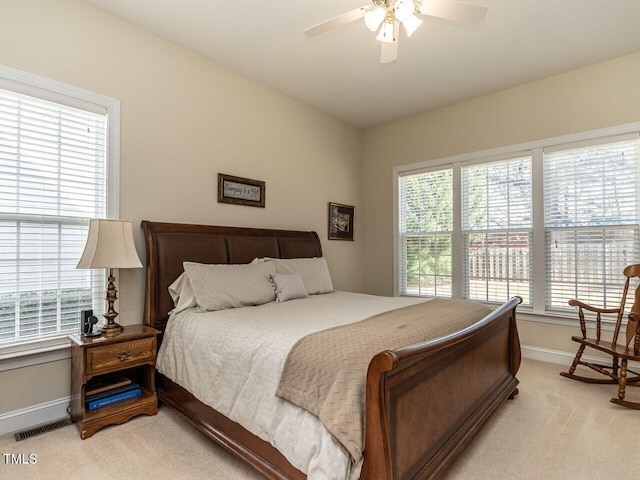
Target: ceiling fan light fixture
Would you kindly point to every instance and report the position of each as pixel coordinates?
(411, 24)
(387, 15)
(374, 17)
(404, 9)
(386, 33)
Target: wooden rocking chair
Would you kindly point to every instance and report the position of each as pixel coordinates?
(618, 371)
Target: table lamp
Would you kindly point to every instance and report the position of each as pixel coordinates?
(110, 245)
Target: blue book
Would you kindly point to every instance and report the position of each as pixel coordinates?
(110, 400)
(113, 391)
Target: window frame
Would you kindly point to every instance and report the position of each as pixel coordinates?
(45, 350)
(438, 232)
(535, 149)
(468, 230)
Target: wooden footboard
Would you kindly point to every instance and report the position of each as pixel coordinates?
(425, 403)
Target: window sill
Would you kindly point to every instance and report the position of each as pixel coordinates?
(526, 313)
(34, 353)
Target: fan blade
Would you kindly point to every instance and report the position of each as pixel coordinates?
(389, 50)
(462, 13)
(335, 22)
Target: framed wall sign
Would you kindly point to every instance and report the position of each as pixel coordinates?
(341, 221)
(240, 191)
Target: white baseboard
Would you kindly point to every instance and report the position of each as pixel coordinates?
(560, 357)
(547, 355)
(35, 415)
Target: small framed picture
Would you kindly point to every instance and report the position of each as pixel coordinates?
(240, 191)
(341, 221)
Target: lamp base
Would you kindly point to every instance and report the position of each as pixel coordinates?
(109, 329)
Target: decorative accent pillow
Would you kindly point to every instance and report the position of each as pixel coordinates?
(287, 286)
(313, 271)
(182, 294)
(219, 286)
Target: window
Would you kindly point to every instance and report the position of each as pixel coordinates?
(591, 221)
(548, 223)
(426, 229)
(53, 179)
(497, 230)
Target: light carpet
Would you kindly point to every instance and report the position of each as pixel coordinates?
(555, 429)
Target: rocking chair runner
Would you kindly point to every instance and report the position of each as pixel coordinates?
(618, 371)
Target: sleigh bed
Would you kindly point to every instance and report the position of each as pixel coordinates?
(424, 402)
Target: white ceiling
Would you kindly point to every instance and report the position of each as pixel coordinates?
(339, 72)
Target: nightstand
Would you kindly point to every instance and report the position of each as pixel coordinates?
(130, 354)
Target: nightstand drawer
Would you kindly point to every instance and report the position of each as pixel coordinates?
(121, 355)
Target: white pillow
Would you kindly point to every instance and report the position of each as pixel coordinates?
(182, 294)
(217, 287)
(313, 271)
(287, 286)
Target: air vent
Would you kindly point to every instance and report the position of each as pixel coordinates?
(47, 427)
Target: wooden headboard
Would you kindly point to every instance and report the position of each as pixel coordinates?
(170, 244)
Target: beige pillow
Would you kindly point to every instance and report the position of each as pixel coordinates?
(313, 271)
(287, 286)
(182, 294)
(218, 287)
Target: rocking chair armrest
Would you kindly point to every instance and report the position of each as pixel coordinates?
(578, 303)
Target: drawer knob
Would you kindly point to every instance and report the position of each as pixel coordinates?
(124, 356)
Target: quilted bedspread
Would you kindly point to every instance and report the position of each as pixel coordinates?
(325, 372)
(232, 360)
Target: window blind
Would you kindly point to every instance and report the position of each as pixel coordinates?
(591, 221)
(497, 230)
(426, 228)
(53, 167)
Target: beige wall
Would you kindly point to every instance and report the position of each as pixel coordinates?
(598, 96)
(183, 120)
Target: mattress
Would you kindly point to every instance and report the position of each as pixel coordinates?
(232, 359)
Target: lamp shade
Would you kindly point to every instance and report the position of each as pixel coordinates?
(411, 24)
(386, 33)
(110, 245)
(404, 9)
(373, 18)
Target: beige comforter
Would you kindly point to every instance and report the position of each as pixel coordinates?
(325, 372)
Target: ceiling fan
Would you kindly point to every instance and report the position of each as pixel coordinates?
(388, 15)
